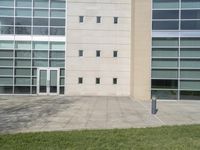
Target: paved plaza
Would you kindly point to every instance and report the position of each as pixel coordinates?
(36, 113)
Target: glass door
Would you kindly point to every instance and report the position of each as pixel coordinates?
(48, 81)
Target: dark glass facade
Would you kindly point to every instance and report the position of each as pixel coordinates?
(176, 49)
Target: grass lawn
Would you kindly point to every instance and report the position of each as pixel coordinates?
(162, 138)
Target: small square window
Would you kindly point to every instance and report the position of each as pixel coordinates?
(80, 53)
(98, 19)
(81, 19)
(116, 20)
(98, 80)
(115, 53)
(114, 80)
(98, 53)
(80, 80)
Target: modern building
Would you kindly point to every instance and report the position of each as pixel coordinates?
(136, 48)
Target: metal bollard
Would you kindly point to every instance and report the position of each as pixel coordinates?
(154, 105)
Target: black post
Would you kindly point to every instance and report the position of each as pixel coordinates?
(154, 105)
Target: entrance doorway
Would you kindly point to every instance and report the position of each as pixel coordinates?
(48, 81)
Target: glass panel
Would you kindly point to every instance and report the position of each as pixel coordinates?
(165, 25)
(195, 85)
(165, 14)
(23, 3)
(24, 12)
(57, 46)
(22, 90)
(40, 22)
(6, 30)
(34, 72)
(165, 42)
(41, 13)
(53, 81)
(190, 95)
(57, 31)
(6, 53)
(9, 3)
(62, 90)
(165, 63)
(23, 72)
(23, 45)
(6, 21)
(23, 21)
(165, 4)
(57, 63)
(62, 72)
(41, 3)
(58, 13)
(40, 31)
(22, 81)
(34, 90)
(190, 14)
(190, 25)
(170, 95)
(190, 52)
(23, 63)
(62, 81)
(57, 54)
(165, 52)
(57, 4)
(23, 30)
(6, 12)
(34, 81)
(6, 71)
(190, 74)
(40, 63)
(165, 84)
(6, 89)
(190, 41)
(6, 81)
(43, 81)
(40, 54)
(6, 44)
(57, 22)
(190, 63)
(6, 62)
(40, 45)
(190, 4)
(23, 54)
(165, 74)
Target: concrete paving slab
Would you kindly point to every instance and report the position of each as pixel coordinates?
(59, 113)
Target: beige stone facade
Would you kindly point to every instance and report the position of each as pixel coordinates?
(131, 37)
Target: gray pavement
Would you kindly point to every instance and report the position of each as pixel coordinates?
(36, 113)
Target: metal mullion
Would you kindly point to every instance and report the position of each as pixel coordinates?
(179, 54)
(49, 18)
(14, 50)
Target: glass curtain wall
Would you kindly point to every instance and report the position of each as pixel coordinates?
(19, 60)
(176, 58)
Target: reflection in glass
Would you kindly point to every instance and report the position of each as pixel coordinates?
(40, 31)
(7, 12)
(6, 30)
(6, 89)
(41, 13)
(23, 12)
(57, 31)
(43, 81)
(6, 21)
(23, 30)
(40, 22)
(41, 3)
(23, 3)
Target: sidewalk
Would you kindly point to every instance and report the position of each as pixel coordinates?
(30, 114)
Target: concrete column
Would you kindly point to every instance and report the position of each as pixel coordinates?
(141, 50)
